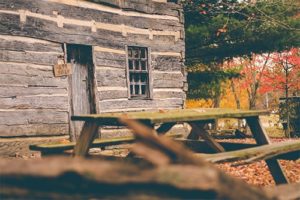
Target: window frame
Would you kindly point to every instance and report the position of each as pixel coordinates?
(148, 96)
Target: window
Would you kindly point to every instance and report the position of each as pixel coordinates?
(138, 72)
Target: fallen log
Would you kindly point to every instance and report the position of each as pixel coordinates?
(169, 171)
(254, 154)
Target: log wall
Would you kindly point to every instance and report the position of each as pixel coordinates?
(32, 33)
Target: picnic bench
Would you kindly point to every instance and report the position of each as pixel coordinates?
(196, 118)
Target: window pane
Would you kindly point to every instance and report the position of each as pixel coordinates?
(144, 89)
(136, 87)
(135, 53)
(143, 53)
(137, 64)
(130, 64)
(143, 65)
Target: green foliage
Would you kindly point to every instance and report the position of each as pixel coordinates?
(220, 30)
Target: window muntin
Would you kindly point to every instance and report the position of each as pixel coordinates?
(138, 72)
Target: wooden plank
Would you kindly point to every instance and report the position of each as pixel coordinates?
(30, 57)
(49, 30)
(55, 148)
(9, 91)
(42, 129)
(87, 135)
(114, 105)
(112, 94)
(33, 81)
(95, 12)
(111, 77)
(26, 69)
(261, 138)
(14, 43)
(175, 115)
(168, 93)
(199, 129)
(166, 63)
(250, 155)
(36, 116)
(167, 80)
(58, 102)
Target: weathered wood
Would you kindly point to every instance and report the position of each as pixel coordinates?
(45, 58)
(35, 102)
(33, 81)
(114, 105)
(167, 80)
(111, 77)
(250, 155)
(87, 135)
(41, 129)
(34, 116)
(56, 148)
(168, 93)
(150, 7)
(112, 94)
(58, 178)
(176, 115)
(261, 137)
(198, 128)
(285, 192)
(13, 43)
(26, 69)
(82, 13)
(166, 63)
(49, 30)
(10, 91)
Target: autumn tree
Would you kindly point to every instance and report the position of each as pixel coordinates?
(217, 31)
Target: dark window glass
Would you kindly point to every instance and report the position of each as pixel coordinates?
(138, 72)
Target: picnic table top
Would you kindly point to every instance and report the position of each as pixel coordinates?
(169, 116)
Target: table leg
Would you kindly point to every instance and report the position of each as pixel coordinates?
(87, 135)
(199, 131)
(262, 138)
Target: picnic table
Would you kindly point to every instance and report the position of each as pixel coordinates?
(166, 119)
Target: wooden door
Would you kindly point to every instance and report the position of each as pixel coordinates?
(81, 84)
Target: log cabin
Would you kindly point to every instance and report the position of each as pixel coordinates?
(67, 57)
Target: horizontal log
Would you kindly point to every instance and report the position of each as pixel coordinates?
(58, 177)
(13, 91)
(33, 130)
(167, 80)
(145, 6)
(49, 30)
(111, 77)
(33, 81)
(26, 69)
(112, 94)
(60, 102)
(110, 59)
(40, 58)
(97, 12)
(166, 63)
(15, 43)
(123, 104)
(168, 93)
(37, 116)
(250, 155)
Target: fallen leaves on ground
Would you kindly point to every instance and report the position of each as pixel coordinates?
(258, 173)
